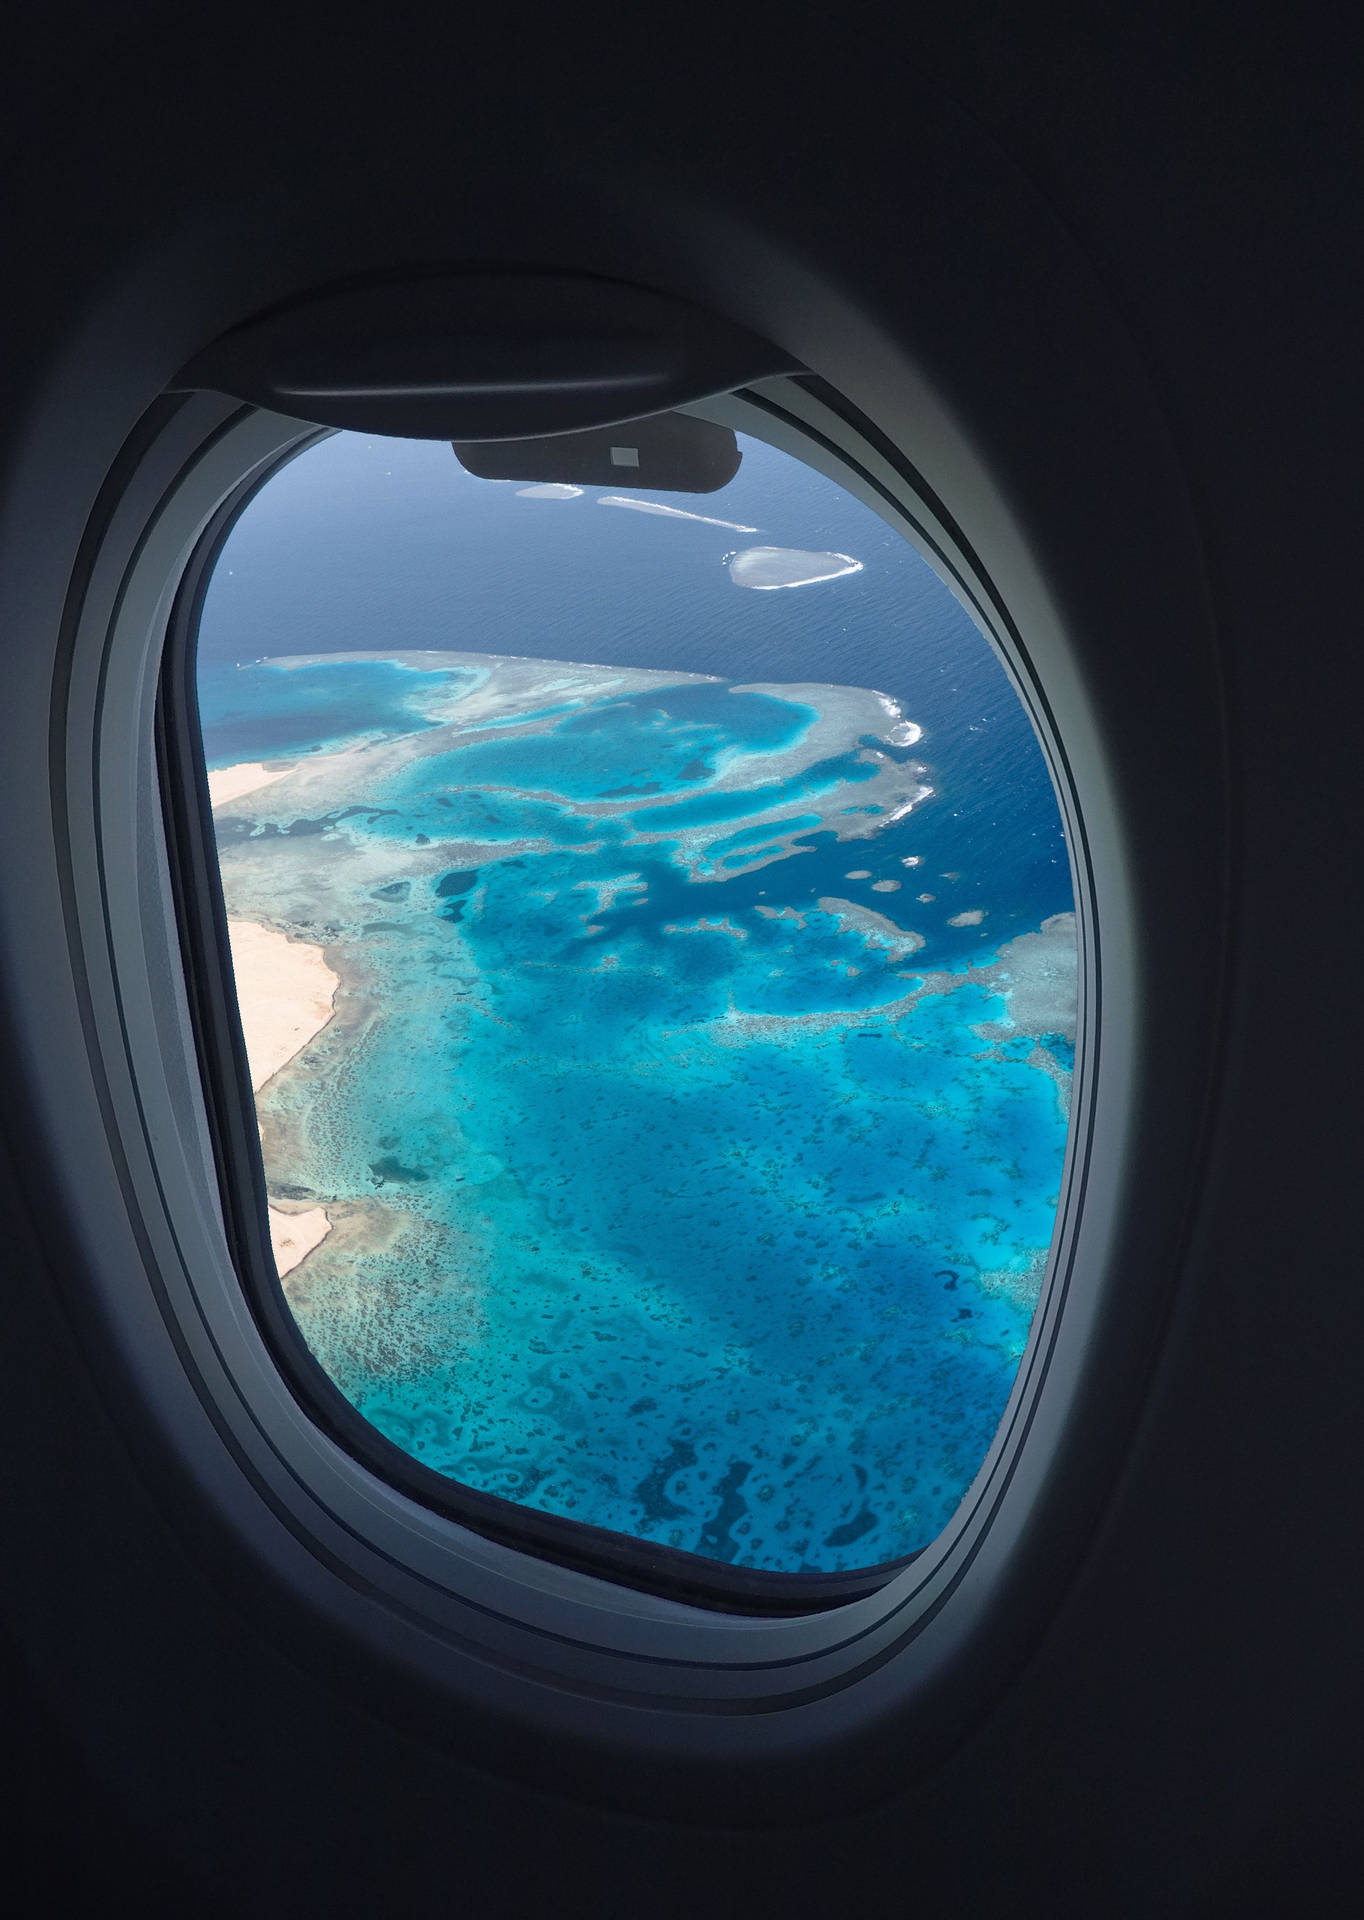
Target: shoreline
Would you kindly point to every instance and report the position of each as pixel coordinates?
(230, 783)
(286, 995)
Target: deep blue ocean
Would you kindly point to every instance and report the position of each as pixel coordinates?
(691, 1249)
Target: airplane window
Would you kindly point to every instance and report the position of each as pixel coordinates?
(655, 950)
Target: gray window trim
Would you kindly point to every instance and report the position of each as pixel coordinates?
(469, 1621)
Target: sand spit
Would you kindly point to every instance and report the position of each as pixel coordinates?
(285, 994)
(673, 513)
(230, 783)
(294, 1235)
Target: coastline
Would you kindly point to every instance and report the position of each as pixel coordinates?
(230, 783)
(293, 1236)
(285, 996)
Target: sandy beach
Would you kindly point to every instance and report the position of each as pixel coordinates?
(294, 1235)
(285, 991)
(230, 783)
(285, 995)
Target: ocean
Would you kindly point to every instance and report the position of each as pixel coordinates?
(693, 1117)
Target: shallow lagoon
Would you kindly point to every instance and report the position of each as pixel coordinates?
(655, 742)
(692, 1119)
(664, 1196)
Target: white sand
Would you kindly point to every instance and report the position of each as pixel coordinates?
(770, 568)
(294, 1235)
(230, 783)
(285, 991)
(673, 513)
(285, 994)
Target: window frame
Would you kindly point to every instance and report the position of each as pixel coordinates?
(201, 915)
(549, 1641)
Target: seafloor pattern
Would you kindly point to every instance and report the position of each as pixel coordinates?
(665, 1192)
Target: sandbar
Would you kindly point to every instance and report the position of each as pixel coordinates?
(294, 1235)
(673, 513)
(229, 783)
(768, 568)
(285, 995)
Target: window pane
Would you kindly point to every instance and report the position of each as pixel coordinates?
(655, 947)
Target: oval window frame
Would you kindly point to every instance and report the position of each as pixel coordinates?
(619, 1558)
(487, 1626)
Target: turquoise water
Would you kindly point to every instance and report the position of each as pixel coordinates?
(683, 1179)
(651, 743)
(261, 711)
